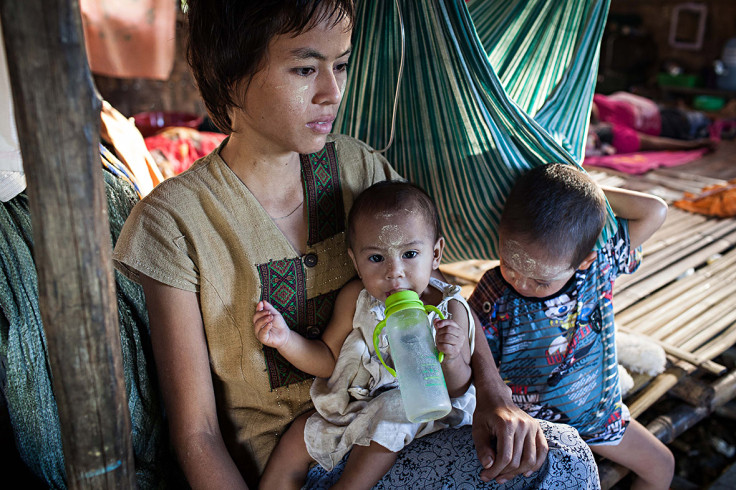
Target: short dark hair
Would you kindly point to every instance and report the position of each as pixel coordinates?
(391, 195)
(228, 42)
(557, 206)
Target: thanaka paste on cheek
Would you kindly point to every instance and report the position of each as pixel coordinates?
(299, 97)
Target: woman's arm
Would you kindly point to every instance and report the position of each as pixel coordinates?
(644, 212)
(182, 362)
(520, 444)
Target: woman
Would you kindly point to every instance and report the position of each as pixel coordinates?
(263, 217)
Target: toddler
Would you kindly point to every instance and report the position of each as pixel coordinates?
(547, 311)
(395, 243)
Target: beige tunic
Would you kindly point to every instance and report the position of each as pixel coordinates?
(203, 231)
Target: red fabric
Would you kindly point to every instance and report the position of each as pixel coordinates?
(175, 149)
(630, 111)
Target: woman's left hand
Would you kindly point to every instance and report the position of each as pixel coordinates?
(520, 445)
(508, 441)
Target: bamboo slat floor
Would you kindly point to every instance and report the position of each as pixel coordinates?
(683, 297)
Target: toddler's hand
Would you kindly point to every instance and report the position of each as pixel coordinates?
(450, 338)
(271, 329)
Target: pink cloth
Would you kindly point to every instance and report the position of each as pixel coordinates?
(629, 110)
(130, 38)
(625, 140)
(642, 162)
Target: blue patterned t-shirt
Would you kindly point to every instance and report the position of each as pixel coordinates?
(558, 354)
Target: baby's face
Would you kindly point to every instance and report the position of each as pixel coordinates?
(395, 251)
(530, 271)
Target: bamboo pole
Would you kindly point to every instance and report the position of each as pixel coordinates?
(675, 236)
(691, 318)
(58, 116)
(675, 219)
(672, 183)
(661, 384)
(719, 344)
(669, 426)
(670, 312)
(712, 327)
(725, 390)
(469, 270)
(704, 180)
(694, 392)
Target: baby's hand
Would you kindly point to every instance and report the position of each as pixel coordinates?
(271, 329)
(450, 338)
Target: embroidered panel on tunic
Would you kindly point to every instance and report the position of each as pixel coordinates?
(283, 282)
(283, 286)
(324, 194)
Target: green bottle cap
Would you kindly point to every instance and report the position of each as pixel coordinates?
(403, 300)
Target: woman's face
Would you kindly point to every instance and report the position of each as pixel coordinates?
(291, 103)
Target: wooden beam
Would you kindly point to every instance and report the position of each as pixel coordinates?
(58, 117)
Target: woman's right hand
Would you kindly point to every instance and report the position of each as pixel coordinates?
(271, 329)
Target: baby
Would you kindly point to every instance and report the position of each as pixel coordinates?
(395, 243)
(547, 311)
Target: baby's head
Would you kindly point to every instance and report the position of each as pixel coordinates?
(394, 238)
(550, 223)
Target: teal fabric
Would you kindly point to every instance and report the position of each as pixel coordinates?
(471, 119)
(25, 377)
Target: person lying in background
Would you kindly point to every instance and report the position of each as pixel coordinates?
(612, 138)
(627, 123)
(647, 117)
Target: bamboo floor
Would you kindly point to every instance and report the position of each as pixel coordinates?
(683, 297)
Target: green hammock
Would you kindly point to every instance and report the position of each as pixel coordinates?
(25, 375)
(470, 119)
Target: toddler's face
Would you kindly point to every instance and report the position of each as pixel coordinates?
(530, 271)
(395, 251)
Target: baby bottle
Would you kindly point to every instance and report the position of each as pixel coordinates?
(415, 356)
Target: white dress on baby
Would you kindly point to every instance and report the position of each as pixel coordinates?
(361, 401)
